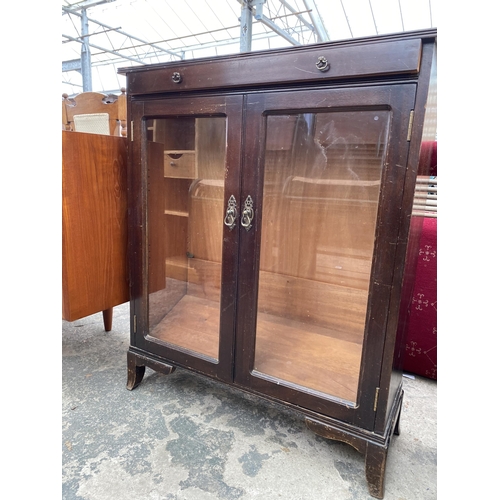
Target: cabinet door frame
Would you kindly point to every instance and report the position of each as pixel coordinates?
(142, 109)
(384, 292)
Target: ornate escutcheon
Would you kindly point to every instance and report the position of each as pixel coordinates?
(231, 213)
(247, 214)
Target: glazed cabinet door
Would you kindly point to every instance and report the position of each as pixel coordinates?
(323, 184)
(184, 237)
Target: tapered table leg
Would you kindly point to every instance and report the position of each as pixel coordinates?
(107, 316)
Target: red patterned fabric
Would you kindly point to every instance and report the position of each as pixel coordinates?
(421, 342)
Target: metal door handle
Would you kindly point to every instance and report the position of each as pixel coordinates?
(231, 213)
(247, 214)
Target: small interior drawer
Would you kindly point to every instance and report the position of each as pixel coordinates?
(180, 164)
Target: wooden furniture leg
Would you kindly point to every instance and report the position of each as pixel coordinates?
(375, 460)
(136, 367)
(374, 447)
(136, 371)
(398, 420)
(375, 453)
(107, 316)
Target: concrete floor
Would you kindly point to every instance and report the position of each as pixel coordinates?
(185, 437)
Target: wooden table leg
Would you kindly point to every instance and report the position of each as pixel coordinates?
(107, 316)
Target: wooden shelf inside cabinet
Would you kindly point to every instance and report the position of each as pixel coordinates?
(177, 213)
(176, 267)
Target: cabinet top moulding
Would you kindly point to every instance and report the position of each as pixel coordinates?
(397, 54)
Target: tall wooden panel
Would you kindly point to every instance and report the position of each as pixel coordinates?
(94, 210)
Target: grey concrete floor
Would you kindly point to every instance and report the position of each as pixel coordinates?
(185, 437)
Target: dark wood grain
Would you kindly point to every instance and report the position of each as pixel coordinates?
(294, 66)
(318, 336)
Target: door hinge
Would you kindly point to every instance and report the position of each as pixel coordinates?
(410, 125)
(375, 403)
(132, 131)
(135, 323)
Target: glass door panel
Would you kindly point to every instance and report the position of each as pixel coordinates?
(322, 176)
(186, 165)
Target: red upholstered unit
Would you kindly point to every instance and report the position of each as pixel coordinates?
(420, 347)
(427, 164)
(420, 357)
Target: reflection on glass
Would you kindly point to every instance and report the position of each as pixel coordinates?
(321, 191)
(186, 164)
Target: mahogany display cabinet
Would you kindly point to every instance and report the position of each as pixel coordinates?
(270, 198)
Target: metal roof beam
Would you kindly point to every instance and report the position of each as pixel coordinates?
(105, 50)
(89, 3)
(298, 14)
(319, 27)
(267, 22)
(293, 33)
(73, 65)
(85, 54)
(117, 30)
(246, 21)
(259, 16)
(220, 43)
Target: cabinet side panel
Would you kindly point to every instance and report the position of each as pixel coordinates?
(409, 237)
(94, 223)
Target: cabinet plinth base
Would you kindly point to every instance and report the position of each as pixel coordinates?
(374, 447)
(137, 366)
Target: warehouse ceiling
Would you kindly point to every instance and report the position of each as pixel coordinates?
(100, 36)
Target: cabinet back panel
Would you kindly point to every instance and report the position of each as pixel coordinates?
(206, 215)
